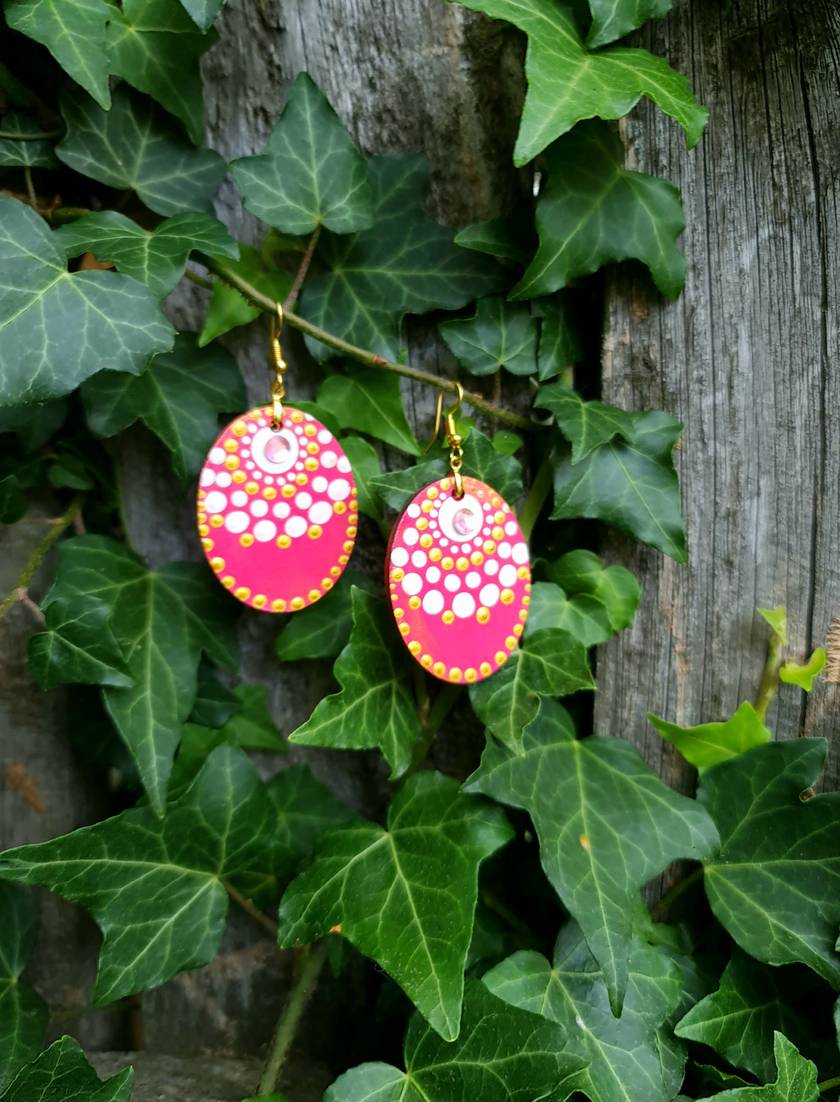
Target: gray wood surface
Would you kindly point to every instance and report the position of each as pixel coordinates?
(748, 359)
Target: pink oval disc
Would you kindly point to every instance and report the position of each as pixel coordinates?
(460, 580)
(277, 511)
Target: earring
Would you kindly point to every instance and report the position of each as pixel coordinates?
(459, 571)
(277, 508)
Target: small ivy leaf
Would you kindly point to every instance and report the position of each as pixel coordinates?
(57, 327)
(135, 146)
(774, 883)
(375, 708)
(17, 153)
(203, 12)
(74, 33)
(612, 19)
(34, 425)
(560, 344)
(593, 212)
(796, 1080)
(323, 629)
(606, 824)
(590, 601)
(12, 499)
(712, 743)
(631, 485)
(158, 257)
(502, 1055)
(403, 265)
(804, 675)
(163, 620)
(711, 1076)
(228, 309)
(586, 425)
(631, 1057)
(499, 334)
(509, 237)
(179, 397)
(550, 663)
(23, 1013)
(365, 463)
(310, 174)
(405, 896)
(306, 810)
(62, 1074)
(155, 886)
(739, 1020)
(568, 83)
(506, 442)
(777, 619)
(78, 646)
(156, 47)
(368, 400)
(214, 703)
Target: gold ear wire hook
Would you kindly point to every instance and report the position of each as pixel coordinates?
(436, 429)
(453, 438)
(278, 364)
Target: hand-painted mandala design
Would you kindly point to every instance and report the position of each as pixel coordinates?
(460, 580)
(277, 510)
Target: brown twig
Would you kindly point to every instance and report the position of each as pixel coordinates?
(40, 552)
(303, 269)
(250, 908)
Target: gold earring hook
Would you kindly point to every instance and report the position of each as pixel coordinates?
(453, 437)
(278, 365)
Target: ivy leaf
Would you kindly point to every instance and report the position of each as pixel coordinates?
(612, 19)
(509, 236)
(567, 83)
(228, 309)
(560, 344)
(155, 886)
(365, 463)
(162, 620)
(323, 629)
(23, 1013)
(156, 47)
(78, 646)
(214, 702)
(74, 33)
(62, 1074)
(631, 1057)
(368, 400)
(34, 425)
(203, 12)
(593, 212)
(590, 601)
(550, 663)
(739, 1020)
(502, 1055)
(499, 334)
(158, 257)
(375, 708)
(405, 896)
(403, 265)
(796, 1080)
(135, 146)
(804, 675)
(306, 810)
(57, 328)
(774, 883)
(630, 484)
(712, 743)
(606, 824)
(311, 174)
(179, 397)
(586, 425)
(20, 153)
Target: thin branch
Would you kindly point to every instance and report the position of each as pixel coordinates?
(534, 502)
(303, 269)
(828, 1084)
(43, 135)
(250, 908)
(40, 552)
(770, 677)
(669, 898)
(30, 187)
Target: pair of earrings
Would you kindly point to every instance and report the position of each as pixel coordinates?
(278, 516)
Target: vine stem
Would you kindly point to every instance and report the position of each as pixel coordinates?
(435, 714)
(828, 1084)
(361, 355)
(770, 677)
(312, 960)
(42, 136)
(540, 489)
(40, 552)
(250, 908)
(303, 269)
(30, 187)
(670, 897)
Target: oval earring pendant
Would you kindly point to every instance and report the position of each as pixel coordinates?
(277, 510)
(460, 580)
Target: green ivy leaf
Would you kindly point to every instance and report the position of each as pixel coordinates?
(499, 334)
(590, 601)
(323, 629)
(774, 883)
(214, 702)
(135, 146)
(375, 708)
(739, 1020)
(502, 1055)
(310, 174)
(804, 674)
(777, 619)
(179, 397)
(365, 463)
(34, 425)
(57, 328)
(403, 265)
(23, 1013)
(629, 484)
(612, 19)
(560, 344)
(155, 886)
(586, 425)
(606, 824)
(567, 83)
(62, 1074)
(796, 1080)
(368, 400)
(158, 257)
(632, 1057)
(162, 620)
(78, 646)
(74, 33)
(550, 663)
(306, 810)
(17, 153)
(203, 12)
(712, 743)
(593, 212)
(405, 895)
(228, 309)
(509, 237)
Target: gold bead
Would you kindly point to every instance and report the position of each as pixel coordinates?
(203, 530)
(399, 613)
(335, 571)
(297, 603)
(251, 488)
(448, 616)
(239, 476)
(232, 462)
(314, 595)
(397, 574)
(501, 658)
(269, 493)
(421, 523)
(483, 615)
(489, 547)
(344, 559)
(278, 605)
(260, 600)
(309, 429)
(296, 416)
(498, 533)
(288, 490)
(404, 629)
(507, 596)
(327, 583)
(217, 564)
(523, 614)
(518, 629)
(476, 558)
(315, 531)
(455, 673)
(414, 647)
(313, 449)
(426, 661)
(448, 563)
(510, 643)
(302, 478)
(439, 669)
(340, 507)
(208, 544)
(462, 563)
(414, 602)
(470, 674)
(432, 492)
(426, 540)
(485, 669)
(217, 520)
(523, 573)
(348, 547)
(228, 581)
(246, 539)
(284, 541)
(311, 464)
(239, 428)
(243, 593)
(435, 553)
(231, 445)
